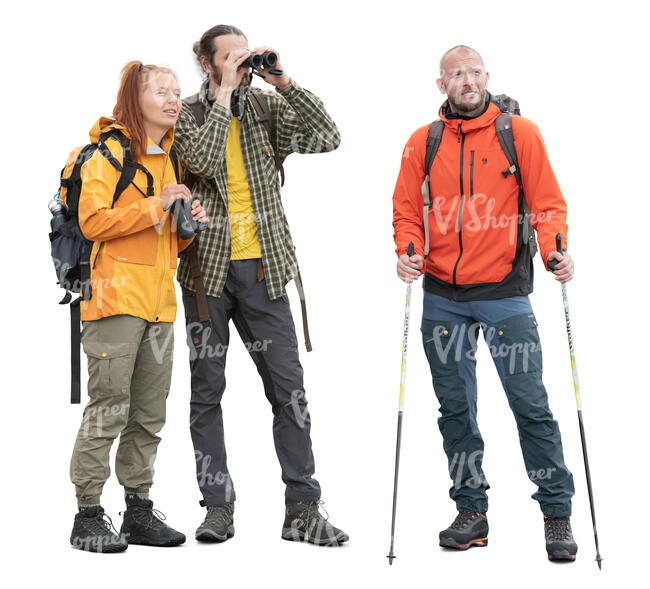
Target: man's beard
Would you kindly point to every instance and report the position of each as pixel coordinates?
(462, 107)
(215, 76)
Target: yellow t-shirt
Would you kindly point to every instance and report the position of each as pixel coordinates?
(244, 242)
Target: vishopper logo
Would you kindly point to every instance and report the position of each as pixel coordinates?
(542, 473)
(100, 542)
(208, 479)
(298, 405)
(462, 462)
(457, 469)
(198, 341)
(92, 424)
(240, 222)
(162, 352)
(486, 220)
(454, 340)
(315, 142)
(97, 285)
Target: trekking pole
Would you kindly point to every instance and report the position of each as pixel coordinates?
(391, 555)
(576, 387)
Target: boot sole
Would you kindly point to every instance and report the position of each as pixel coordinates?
(212, 537)
(450, 543)
(104, 549)
(146, 542)
(299, 536)
(561, 555)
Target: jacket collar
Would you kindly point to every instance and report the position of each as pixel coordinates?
(206, 98)
(452, 120)
(105, 124)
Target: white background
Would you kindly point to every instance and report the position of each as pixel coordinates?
(578, 69)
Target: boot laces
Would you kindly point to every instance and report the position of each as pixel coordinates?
(148, 516)
(557, 528)
(312, 512)
(100, 524)
(218, 515)
(463, 518)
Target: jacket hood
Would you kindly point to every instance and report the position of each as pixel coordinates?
(103, 125)
(486, 118)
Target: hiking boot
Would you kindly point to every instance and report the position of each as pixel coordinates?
(143, 525)
(93, 533)
(560, 544)
(303, 521)
(218, 524)
(470, 528)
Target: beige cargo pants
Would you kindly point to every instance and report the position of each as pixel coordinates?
(129, 373)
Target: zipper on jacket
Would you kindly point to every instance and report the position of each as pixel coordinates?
(461, 137)
(161, 244)
(471, 175)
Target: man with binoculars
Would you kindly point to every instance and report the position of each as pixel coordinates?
(232, 139)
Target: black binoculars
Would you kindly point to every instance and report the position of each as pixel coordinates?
(187, 226)
(255, 60)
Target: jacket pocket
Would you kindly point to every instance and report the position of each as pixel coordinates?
(109, 368)
(137, 248)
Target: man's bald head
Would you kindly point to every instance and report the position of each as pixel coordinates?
(458, 50)
(464, 80)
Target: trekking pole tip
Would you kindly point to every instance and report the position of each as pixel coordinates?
(599, 560)
(391, 556)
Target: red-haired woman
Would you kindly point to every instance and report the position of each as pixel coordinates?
(128, 321)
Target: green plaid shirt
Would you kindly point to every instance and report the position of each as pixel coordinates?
(302, 125)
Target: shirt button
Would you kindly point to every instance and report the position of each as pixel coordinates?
(103, 354)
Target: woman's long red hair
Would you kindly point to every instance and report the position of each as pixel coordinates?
(128, 111)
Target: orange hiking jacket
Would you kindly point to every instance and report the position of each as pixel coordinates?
(136, 245)
(476, 251)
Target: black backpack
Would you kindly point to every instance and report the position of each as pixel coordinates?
(70, 249)
(503, 125)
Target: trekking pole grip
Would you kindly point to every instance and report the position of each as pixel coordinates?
(558, 246)
(411, 249)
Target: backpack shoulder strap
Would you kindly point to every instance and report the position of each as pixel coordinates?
(433, 143)
(173, 156)
(261, 107)
(503, 125)
(128, 168)
(196, 107)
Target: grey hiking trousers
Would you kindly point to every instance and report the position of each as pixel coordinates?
(266, 327)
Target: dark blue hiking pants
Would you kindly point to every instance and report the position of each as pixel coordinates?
(450, 333)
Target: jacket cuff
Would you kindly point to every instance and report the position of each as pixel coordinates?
(158, 214)
(402, 250)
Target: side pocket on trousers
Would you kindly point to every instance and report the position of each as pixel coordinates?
(108, 368)
(439, 347)
(516, 341)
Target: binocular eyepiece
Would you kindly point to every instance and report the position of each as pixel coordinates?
(255, 60)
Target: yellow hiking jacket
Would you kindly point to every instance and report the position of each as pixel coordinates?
(136, 245)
